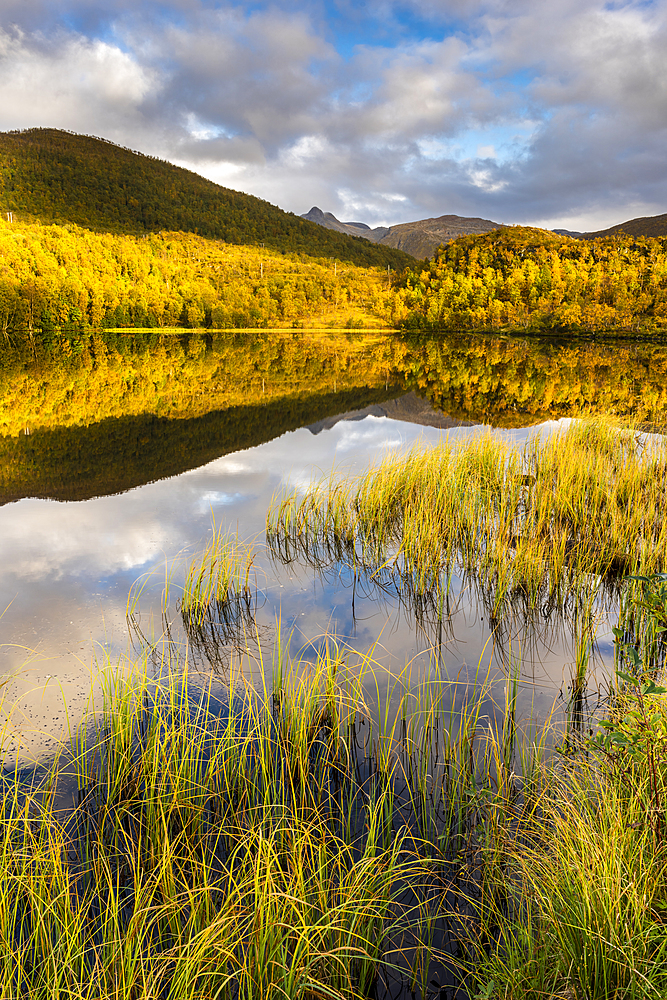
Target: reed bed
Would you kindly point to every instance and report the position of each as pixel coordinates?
(336, 834)
(299, 841)
(549, 527)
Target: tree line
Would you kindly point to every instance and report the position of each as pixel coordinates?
(55, 276)
(523, 279)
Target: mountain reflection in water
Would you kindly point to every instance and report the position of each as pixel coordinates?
(188, 426)
(103, 413)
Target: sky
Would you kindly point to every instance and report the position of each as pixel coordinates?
(544, 113)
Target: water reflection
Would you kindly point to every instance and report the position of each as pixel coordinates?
(191, 426)
(104, 413)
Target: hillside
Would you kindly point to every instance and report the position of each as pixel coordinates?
(520, 278)
(55, 176)
(419, 239)
(650, 225)
(57, 276)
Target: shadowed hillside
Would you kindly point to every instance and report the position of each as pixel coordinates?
(55, 176)
(650, 225)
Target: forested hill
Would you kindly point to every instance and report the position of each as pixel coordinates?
(49, 175)
(520, 278)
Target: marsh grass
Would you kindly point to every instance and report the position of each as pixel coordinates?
(219, 577)
(576, 903)
(548, 528)
(219, 599)
(300, 840)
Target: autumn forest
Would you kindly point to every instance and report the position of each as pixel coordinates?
(94, 236)
(525, 280)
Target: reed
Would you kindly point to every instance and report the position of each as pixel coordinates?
(296, 841)
(219, 577)
(218, 602)
(556, 524)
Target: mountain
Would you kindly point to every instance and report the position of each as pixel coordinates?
(650, 225)
(568, 232)
(329, 221)
(49, 175)
(408, 407)
(420, 239)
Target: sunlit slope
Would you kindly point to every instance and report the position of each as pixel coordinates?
(52, 275)
(56, 176)
(516, 279)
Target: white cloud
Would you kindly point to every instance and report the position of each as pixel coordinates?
(71, 82)
(517, 112)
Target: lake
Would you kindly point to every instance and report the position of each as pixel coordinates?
(121, 450)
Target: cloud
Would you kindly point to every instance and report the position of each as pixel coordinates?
(513, 111)
(70, 82)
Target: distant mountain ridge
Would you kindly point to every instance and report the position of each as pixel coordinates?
(648, 225)
(420, 239)
(329, 221)
(49, 175)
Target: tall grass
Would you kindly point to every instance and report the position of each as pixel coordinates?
(220, 576)
(577, 903)
(549, 526)
(296, 841)
(218, 602)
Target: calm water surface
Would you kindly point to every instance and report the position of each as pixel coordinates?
(119, 453)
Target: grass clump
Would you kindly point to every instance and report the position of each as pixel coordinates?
(578, 907)
(546, 527)
(215, 851)
(218, 603)
(220, 577)
(577, 904)
(291, 842)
